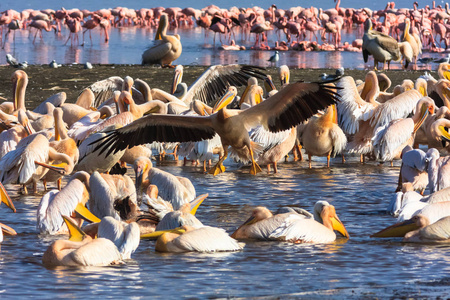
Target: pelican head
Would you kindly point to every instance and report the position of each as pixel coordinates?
(226, 99)
(177, 78)
(259, 213)
(284, 74)
(403, 228)
(325, 213)
(20, 82)
(24, 121)
(127, 84)
(142, 165)
(250, 82)
(268, 84)
(424, 107)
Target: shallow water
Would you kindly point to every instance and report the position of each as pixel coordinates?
(361, 266)
(127, 44)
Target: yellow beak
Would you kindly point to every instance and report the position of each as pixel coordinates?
(224, 101)
(157, 234)
(397, 230)
(7, 230)
(444, 133)
(196, 203)
(5, 198)
(75, 232)
(85, 214)
(56, 168)
(339, 227)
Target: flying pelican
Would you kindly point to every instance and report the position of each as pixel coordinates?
(389, 140)
(81, 250)
(382, 47)
(166, 49)
(294, 104)
(293, 227)
(203, 239)
(172, 189)
(322, 136)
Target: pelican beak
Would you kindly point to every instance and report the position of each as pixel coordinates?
(397, 230)
(447, 75)
(157, 234)
(424, 110)
(57, 135)
(338, 226)
(284, 78)
(56, 168)
(139, 177)
(444, 133)
(75, 232)
(334, 114)
(28, 128)
(196, 203)
(259, 98)
(422, 91)
(224, 101)
(244, 94)
(82, 212)
(7, 230)
(176, 80)
(5, 198)
(268, 84)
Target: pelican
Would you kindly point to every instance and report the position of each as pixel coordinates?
(105, 189)
(293, 227)
(322, 136)
(19, 166)
(284, 75)
(389, 140)
(203, 239)
(125, 236)
(4, 197)
(55, 204)
(81, 250)
(166, 49)
(438, 170)
(11, 137)
(294, 104)
(444, 71)
(439, 133)
(413, 169)
(20, 82)
(382, 47)
(172, 189)
(413, 40)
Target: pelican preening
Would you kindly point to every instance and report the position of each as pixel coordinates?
(292, 226)
(292, 105)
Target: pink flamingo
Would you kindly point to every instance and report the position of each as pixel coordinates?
(41, 24)
(89, 25)
(74, 27)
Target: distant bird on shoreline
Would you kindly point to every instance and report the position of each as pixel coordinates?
(274, 58)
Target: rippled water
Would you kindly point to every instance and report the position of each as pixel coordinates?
(361, 266)
(127, 44)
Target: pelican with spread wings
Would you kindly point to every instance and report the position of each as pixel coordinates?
(292, 105)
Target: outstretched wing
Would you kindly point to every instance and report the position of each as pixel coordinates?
(292, 105)
(158, 128)
(214, 82)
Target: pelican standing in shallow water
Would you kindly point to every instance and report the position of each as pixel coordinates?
(292, 105)
(167, 48)
(293, 227)
(4, 197)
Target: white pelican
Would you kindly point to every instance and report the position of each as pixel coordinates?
(322, 136)
(55, 204)
(438, 170)
(413, 169)
(19, 166)
(125, 236)
(81, 250)
(389, 140)
(293, 227)
(413, 40)
(92, 160)
(171, 188)
(202, 239)
(104, 189)
(382, 47)
(11, 137)
(166, 49)
(294, 104)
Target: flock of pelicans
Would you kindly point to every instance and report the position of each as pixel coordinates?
(389, 34)
(118, 122)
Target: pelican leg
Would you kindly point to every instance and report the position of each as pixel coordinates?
(275, 168)
(343, 159)
(44, 182)
(268, 168)
(59, 184)
(392, 163)
(255, 169)
(219, 167)
(299, 150)
(25, 190)
(399, 184)
(328, 160)
(309, 159)
(204, 166)
(34, 187)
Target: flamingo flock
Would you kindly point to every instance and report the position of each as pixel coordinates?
(406, 32)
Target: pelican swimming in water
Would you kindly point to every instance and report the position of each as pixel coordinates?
(81, 250)
(293, 227)
(294, 104)
(166, 48)
(202, 239)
